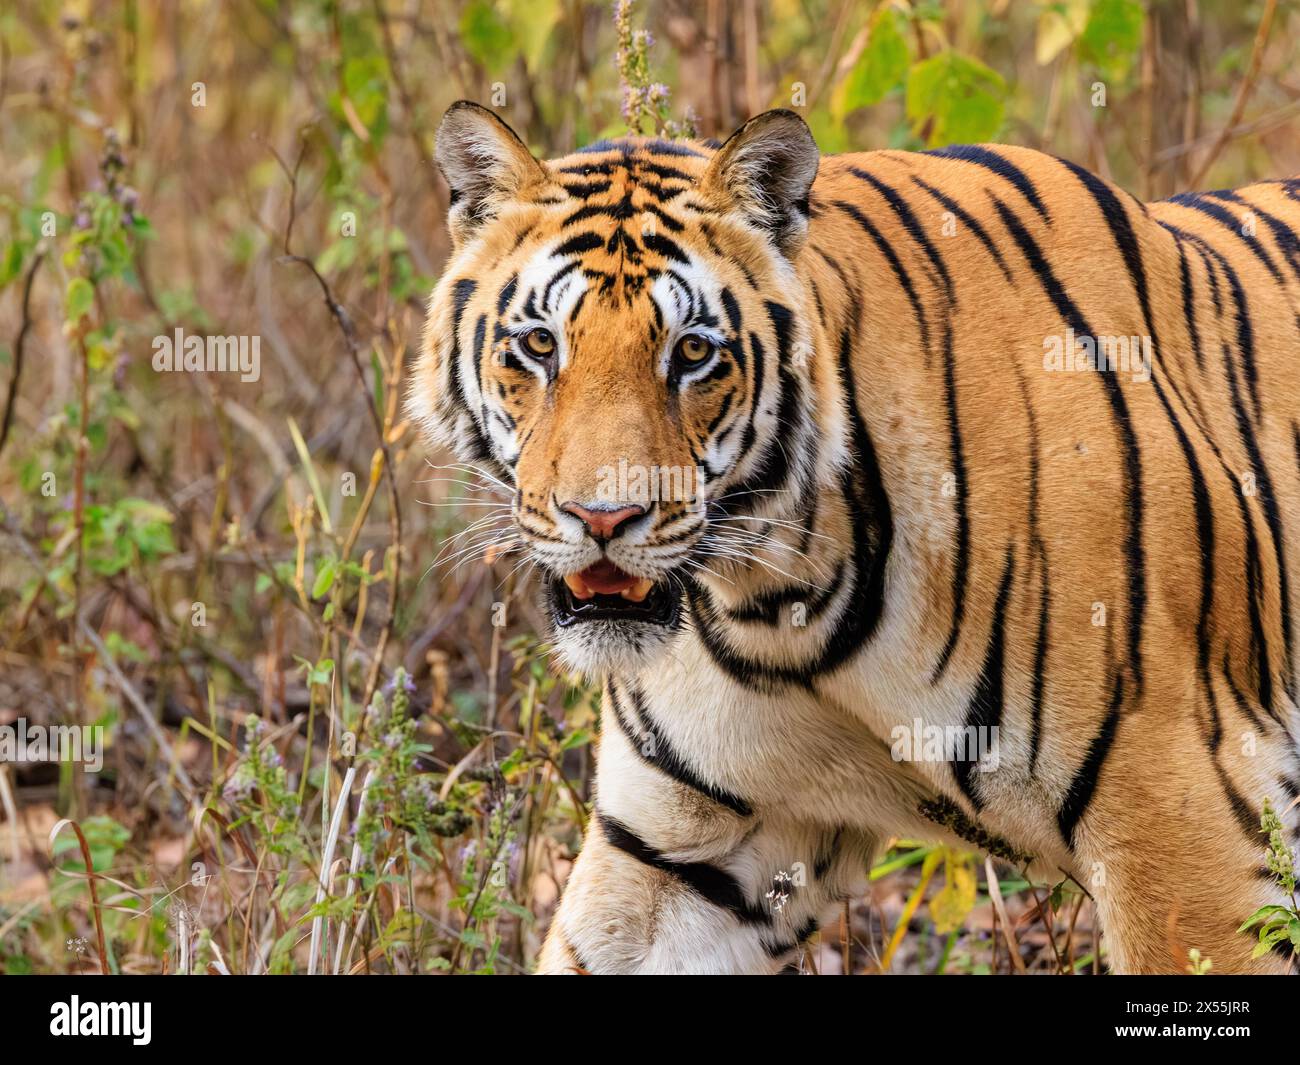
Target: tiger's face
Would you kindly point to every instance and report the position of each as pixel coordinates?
(618, 340)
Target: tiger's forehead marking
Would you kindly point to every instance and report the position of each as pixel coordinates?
(622, 213)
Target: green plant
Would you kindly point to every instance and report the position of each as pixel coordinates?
(1277, 923)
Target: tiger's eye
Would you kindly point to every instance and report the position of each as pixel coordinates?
(693, 349)
(540, 343)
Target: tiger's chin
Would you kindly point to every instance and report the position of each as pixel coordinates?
(597, 633)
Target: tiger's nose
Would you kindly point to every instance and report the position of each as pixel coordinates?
(602, 523)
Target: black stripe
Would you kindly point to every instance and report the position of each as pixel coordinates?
(732, 309)
(581, 243)
(462, 291)
(848, 288)
(985, 710)
(665, 173)
(620, 210)
(817, 299)
(719, 887)
(1189, 307)
(666, 757)
(1079, 794)
(1274, 521)
(1282, 233)
(1238, 697)
(559, 276)
(1205, 540)
(1126, 241)
(723, 411)
(961, 552)
(582, 189)
(1038, 551)
(822, 865)
(900, 272)
(765, 608)
(914, 228)
(783, 326)
(1245, 332)
(870, 518)
(507, 294)
(674, 226)
(665, 247)
(1124, 427)
(1245, 342)
(1229, 222)
(480, 337)
(970, 222)
(759, 362)
(1042, 641)
(1253, 569)
(1000, 165)
(1215, 292)
(806, 931)
(1244, 813)
(774, 467)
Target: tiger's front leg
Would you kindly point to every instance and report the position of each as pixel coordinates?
(629, 908)
(675, 880)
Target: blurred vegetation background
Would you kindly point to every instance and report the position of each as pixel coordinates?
(326, 748)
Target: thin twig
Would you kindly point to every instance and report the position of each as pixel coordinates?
(110, 664)
(1243, 92)
(90, 882)
(348, 329)
(20, 342)
(999, 907)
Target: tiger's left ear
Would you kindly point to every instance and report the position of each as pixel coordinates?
(765, 170)
(485, 164)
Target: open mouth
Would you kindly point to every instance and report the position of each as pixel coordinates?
(603, 592)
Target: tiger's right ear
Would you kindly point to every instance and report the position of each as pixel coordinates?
(485, 164)
(766, 170)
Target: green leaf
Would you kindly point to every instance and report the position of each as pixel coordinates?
(80, 298)
(485, 35)
(320, 673)
(1113, 35)
(881, 68)
(12, 263)
(960, 98)
(579, 737)
(326, 570)
(1261, 914)
(365, 80)
(532, 23)
(309, 468)
(376, 367)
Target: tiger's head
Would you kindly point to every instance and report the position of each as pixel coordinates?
(620, 338)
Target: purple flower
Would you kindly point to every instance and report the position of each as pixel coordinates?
(408, 685)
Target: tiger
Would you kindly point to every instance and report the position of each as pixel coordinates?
(949, 566)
